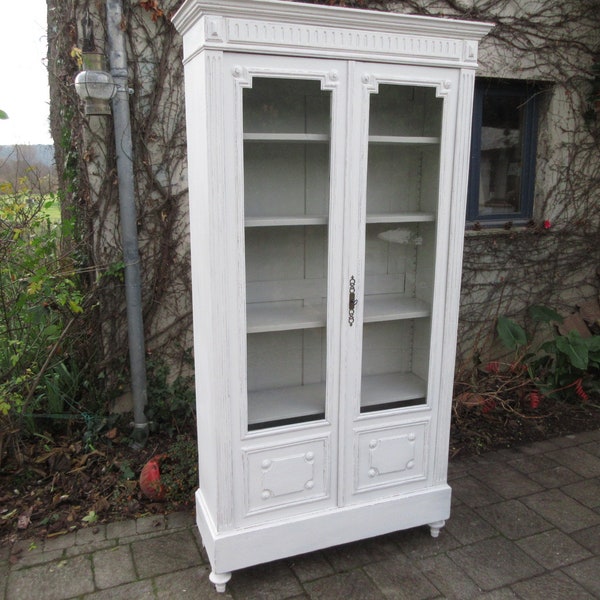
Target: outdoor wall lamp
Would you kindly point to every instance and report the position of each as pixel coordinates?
(95, 86)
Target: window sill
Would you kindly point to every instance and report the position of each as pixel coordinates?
(495, 229)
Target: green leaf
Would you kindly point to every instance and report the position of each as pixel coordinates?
(91, 517)
(575, 348)
(3, 115)
(593, 343)
(543, 314)
(511, 334)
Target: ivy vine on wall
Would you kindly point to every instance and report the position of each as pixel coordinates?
(554, 41)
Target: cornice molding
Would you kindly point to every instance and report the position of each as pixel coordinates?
(243, 25)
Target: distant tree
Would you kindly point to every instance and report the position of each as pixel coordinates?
(24, 169)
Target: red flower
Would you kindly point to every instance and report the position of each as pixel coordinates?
(546, 224)
(534, 399)
(580, 391)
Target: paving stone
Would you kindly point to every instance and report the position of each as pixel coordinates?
(578, 460)
(513, 519)
(553, 549)
(89, 535)
(589, 436)
(494, 563)
(592, 448)
(531, 464)
(586, 574)
(506, 481)
(557, 476)
(503, 594)
(474, 493)
(25, 553)
(181, 520)
(565, 441)
(467, 526)
(60, 541)
(507, 454)
(417, 543)
(66, 578)
(538, 447)
(400, 579)
(139, 590)
(448, 578)
(589, 538)
(3, 580)
(552, 586)
(113, 567)
(121, 529)
(28, 559)
(153, 524)
(354, 584)
(192, 584)
(357, 554)
(561, 510)
(164, 554)
(4, 551)
(308, 567)
(91, 547)
(457, 468)
(587, 492)
(269, 581)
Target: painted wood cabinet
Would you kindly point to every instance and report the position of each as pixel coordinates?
(328, 154)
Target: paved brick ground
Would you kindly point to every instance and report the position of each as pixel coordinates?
(525, 524)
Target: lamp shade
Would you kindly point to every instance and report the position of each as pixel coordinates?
(96, 89)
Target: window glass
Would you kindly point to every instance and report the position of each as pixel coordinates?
(502, 171)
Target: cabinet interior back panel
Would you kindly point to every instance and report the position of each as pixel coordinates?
(393, 181)
(404, 110)
(280, 105)
(286, 359)
(286, 179)
(277, 254)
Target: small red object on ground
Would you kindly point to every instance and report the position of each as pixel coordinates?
(150, 483)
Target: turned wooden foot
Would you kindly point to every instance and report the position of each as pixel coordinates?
(434, 528)
(220, 580)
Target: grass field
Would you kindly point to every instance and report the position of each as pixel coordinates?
(52, 209)
(50, 203)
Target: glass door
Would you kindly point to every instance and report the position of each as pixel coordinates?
(401, 212)
(287, 139)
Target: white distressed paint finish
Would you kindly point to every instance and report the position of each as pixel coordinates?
(328, 154)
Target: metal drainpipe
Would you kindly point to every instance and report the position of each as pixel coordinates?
(131, 257)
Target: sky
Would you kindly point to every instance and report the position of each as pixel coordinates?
(24, 94)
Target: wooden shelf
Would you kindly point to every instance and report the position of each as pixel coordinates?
(286, 221)
(263, 317)
(403, 140)
(387, 307)
(300, 220)
(287, 137)
(391, 388)
(408, 217)
(299, 402)
(283, 404)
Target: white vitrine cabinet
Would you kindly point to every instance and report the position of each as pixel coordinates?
(327, 153)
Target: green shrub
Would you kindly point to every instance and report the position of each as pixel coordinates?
(566, 366)
(40, 299)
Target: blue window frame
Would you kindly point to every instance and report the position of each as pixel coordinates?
(503, 149)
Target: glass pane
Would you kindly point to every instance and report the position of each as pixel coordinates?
(286, 204)
(402, 198)
(501, 161)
